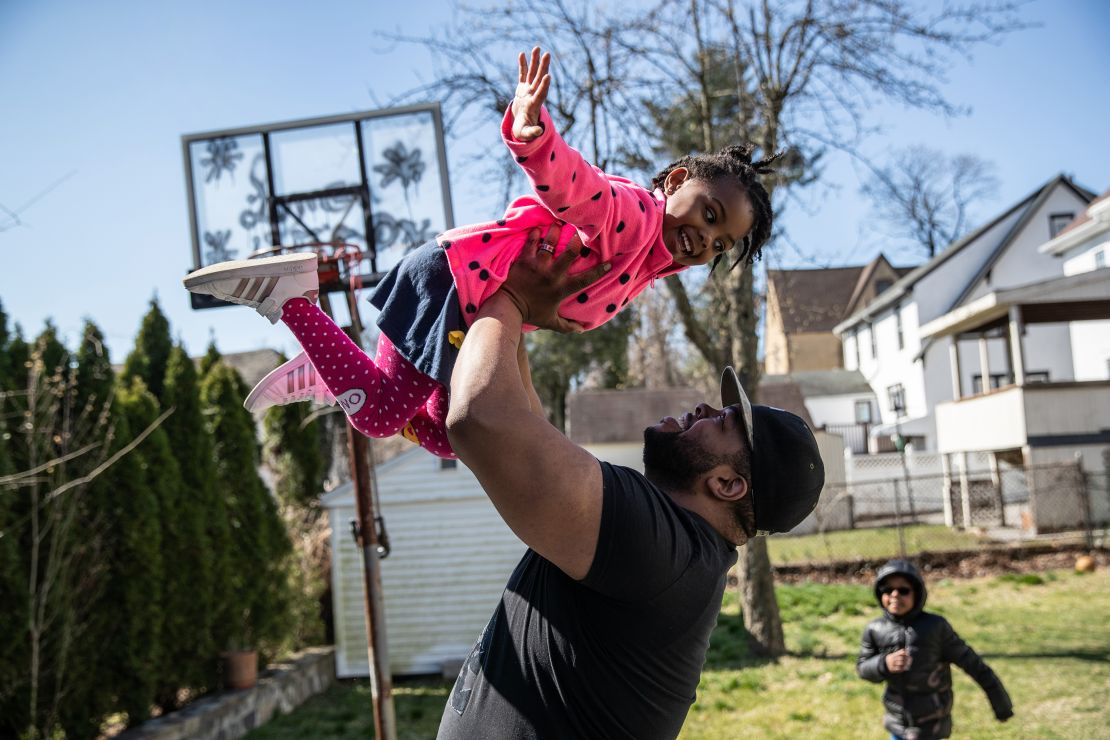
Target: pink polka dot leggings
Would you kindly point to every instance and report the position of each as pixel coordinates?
(382, 396)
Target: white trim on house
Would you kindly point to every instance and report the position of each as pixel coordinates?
(1085, 286)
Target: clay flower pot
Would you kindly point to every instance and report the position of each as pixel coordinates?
(240, 668)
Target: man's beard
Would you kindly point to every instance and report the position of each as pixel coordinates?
(674, 462)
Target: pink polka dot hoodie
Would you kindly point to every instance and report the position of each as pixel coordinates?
(617, 221)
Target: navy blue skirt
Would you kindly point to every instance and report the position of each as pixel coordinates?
(419, 308)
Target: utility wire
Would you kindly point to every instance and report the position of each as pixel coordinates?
(11, 220)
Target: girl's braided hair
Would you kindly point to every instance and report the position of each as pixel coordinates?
(735, 161)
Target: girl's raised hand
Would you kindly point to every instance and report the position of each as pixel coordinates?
(531, 91)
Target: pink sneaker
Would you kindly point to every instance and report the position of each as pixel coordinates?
(294, 381)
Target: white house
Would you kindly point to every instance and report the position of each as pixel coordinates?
(911, 374)
(1047, 426)
(1084, 245)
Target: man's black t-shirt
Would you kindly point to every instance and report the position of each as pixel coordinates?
(616, 655)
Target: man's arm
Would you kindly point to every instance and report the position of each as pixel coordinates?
(547, 489)
(526, 375)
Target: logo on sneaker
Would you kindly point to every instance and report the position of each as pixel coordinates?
(351, 400)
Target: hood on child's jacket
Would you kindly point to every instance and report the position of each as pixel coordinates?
(907, 570)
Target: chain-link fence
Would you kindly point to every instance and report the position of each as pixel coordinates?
(986, 505)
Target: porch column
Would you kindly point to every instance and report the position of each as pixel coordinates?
(984, 365)
(946, 487)
(1017, 351)
(954, 363)
(965, 492)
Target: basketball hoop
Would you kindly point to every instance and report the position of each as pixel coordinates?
(338, 262)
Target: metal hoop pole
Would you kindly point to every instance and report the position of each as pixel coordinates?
(381, 680)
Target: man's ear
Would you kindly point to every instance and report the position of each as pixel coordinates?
(725, 485)
(674, 178)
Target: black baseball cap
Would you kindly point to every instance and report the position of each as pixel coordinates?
(787, 471)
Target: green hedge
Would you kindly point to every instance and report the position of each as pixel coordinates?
(146, 571)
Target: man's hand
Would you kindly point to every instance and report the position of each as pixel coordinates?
(531, 91)
(538, 282)
(899, 661)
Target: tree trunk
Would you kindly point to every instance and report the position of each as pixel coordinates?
(757, 584)
(760, 609)
(738, 341)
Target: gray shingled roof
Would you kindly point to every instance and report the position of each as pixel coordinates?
(785, 395)
(816, 383)
(813, 300)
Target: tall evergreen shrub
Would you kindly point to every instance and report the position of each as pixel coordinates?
(89, 698)
(204, 567)
(187, 618)
(59, 553)
(13, 592)
(260, 546)
(149, 357)
(137, 571)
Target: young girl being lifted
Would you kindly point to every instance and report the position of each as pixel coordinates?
(700, 208)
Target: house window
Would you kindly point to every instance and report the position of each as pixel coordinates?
(896, 397)
(1100, 259)
(898, 327)
(446, 464)
(863, 412)
(1037, 376)
(881, 286)
(855, 346)
(1057, 222)
(997, 381)
(874, 347)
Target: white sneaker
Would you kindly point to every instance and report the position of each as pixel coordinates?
(264, 284)
(294, 381)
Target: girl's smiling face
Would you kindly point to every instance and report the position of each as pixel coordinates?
(703, 218)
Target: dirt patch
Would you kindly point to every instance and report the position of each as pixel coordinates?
(967, 564)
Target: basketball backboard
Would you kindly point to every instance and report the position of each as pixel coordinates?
(373, 182)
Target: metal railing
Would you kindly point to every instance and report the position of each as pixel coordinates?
(984, 509)
(855, 435)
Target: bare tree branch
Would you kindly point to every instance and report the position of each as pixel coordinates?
(17, 477)
(925, 197)
(85, 479)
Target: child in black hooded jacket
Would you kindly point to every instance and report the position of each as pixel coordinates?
(911, 649)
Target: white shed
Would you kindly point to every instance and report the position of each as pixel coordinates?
(451, 557)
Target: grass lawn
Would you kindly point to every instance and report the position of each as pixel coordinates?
(867, 544)
(1046, 635)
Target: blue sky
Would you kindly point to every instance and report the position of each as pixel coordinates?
(97, 95)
